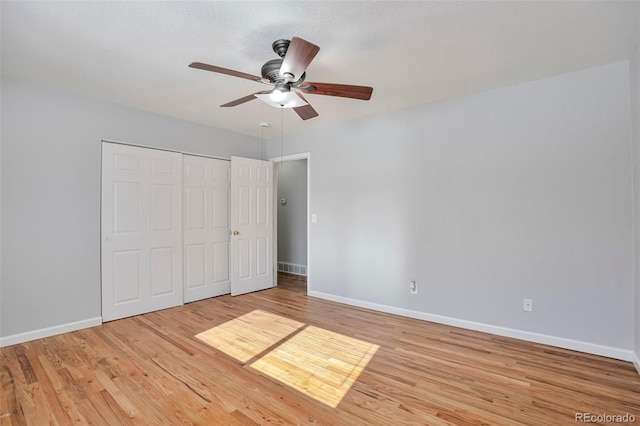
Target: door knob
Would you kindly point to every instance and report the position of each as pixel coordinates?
(236, 233)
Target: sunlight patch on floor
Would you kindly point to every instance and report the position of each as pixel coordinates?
(250, 334)
(319, 363)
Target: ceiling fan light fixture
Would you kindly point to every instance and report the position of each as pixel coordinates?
(283, 99)
(279, 93)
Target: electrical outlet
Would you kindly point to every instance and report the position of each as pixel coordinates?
(413, 287)
(527, 305)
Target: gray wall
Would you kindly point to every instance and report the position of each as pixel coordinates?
(51, 195)
(521, 192)
(634, 67)
(292, 218)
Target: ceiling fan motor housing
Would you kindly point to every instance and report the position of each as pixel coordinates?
(271, 70)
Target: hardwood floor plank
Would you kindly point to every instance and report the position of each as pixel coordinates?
(152, 369)
(9, 410)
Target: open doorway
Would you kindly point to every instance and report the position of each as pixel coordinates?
(291, 208)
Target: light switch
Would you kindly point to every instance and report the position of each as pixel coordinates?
(314, 218)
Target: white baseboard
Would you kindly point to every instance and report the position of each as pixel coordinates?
(636, 361)
(561, 342)
(49, 331)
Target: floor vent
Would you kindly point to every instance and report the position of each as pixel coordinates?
(292, 268)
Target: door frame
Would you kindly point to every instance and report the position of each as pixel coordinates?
(283, 159)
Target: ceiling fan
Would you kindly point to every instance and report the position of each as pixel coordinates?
(287, 76)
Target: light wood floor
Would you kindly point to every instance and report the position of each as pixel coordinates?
(152, 370)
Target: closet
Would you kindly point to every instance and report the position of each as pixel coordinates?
(166, 228)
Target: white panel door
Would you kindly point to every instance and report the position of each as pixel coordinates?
(141, 230)
(206, 227)
(251, 225)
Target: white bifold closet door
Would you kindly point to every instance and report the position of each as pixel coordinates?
(206, 186)
(141, 230)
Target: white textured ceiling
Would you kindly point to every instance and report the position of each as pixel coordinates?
(137, 53)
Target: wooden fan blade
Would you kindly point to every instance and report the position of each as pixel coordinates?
(213, 68)
(244, 99)
(341, 90)
(299, 55)
(306, 111)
